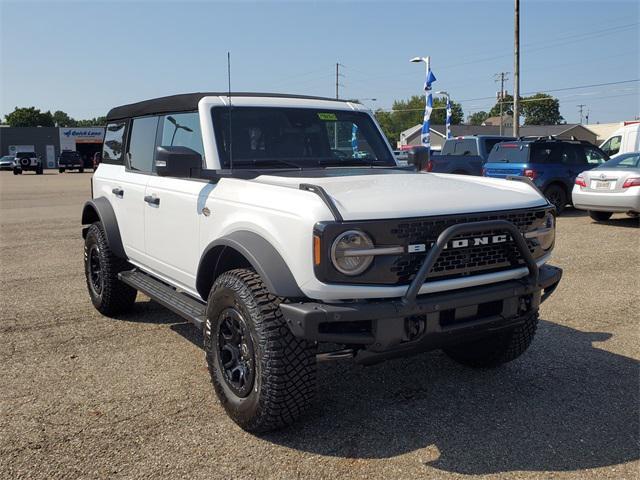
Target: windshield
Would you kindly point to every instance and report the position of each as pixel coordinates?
(629, 160)
(273, 137)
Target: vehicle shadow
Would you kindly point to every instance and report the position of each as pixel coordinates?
(628, 222)
(567, 404)
(572, 212)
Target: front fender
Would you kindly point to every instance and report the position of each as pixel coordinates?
(261, 255)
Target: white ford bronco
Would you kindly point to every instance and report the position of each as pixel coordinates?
(283, 228)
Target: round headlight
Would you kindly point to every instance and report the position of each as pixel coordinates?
(548, 234)
(344, 252)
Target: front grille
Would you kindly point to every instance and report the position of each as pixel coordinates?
(452, 263)
(461, 261)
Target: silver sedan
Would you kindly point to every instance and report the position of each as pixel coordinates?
(612, 187)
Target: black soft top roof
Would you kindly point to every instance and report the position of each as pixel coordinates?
(187, 102)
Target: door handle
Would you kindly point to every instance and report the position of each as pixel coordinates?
(151, 200)
(118, 192)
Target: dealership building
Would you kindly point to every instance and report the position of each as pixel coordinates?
(48, 142)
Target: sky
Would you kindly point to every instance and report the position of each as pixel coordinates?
(84, 57)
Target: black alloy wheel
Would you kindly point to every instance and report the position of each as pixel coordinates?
(236, 353)
(96, 279)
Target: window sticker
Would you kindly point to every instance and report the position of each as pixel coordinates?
(327, 117)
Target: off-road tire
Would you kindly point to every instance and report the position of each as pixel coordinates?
(39, 170)
(114, 297)
(600, 216)
(16, 172)
(557, 196)
(500, 348)
(61, 170)
(284, 367)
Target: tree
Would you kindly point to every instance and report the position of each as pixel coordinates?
(541, 109)
(29, 117)
(405, 114)
(478, 117)
(538, 109)
(93, 122)
(61, 119)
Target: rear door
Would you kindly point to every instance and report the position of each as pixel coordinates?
(174, 211)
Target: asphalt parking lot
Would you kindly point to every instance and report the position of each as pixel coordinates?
(84, 396)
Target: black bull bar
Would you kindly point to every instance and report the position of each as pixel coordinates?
(409, 298)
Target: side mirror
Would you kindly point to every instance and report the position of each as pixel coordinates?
(177, 161)
(419, 157)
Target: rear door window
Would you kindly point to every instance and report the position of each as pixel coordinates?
(142, 144)
(572, 155)
(113, 146)
(546, 153)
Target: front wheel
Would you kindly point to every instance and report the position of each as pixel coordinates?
(556, 195)
(262, 374)
(16, 172)
(108, 294)
(493, 351)
(600, 216)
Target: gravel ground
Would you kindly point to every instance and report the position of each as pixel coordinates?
(84, 396)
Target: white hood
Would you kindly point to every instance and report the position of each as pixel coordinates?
(406, 194)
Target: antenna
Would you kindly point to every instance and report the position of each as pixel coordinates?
(229, 106)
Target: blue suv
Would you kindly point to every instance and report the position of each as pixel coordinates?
(552, 164)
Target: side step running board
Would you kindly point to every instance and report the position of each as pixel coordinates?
(184, 305)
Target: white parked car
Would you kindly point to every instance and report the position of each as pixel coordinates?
(276, 223)
(611, 187)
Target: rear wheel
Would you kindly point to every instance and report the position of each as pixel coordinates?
(262, 374)
(61, 170)
(556, 195)
(497, 349)
(108, 294)
(600, 216)
(39, 170)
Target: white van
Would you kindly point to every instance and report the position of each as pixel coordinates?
(625, 139)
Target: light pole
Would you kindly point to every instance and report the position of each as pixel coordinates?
(448, 113)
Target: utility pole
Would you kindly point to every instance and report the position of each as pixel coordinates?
(502, 76)
(581, 106)
(516, 70)
(338, 75)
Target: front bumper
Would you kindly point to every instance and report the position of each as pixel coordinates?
(433, 321)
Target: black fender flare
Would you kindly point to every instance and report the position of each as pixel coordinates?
(260, 254)
(100, 209)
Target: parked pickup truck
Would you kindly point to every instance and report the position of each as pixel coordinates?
(464, 155)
